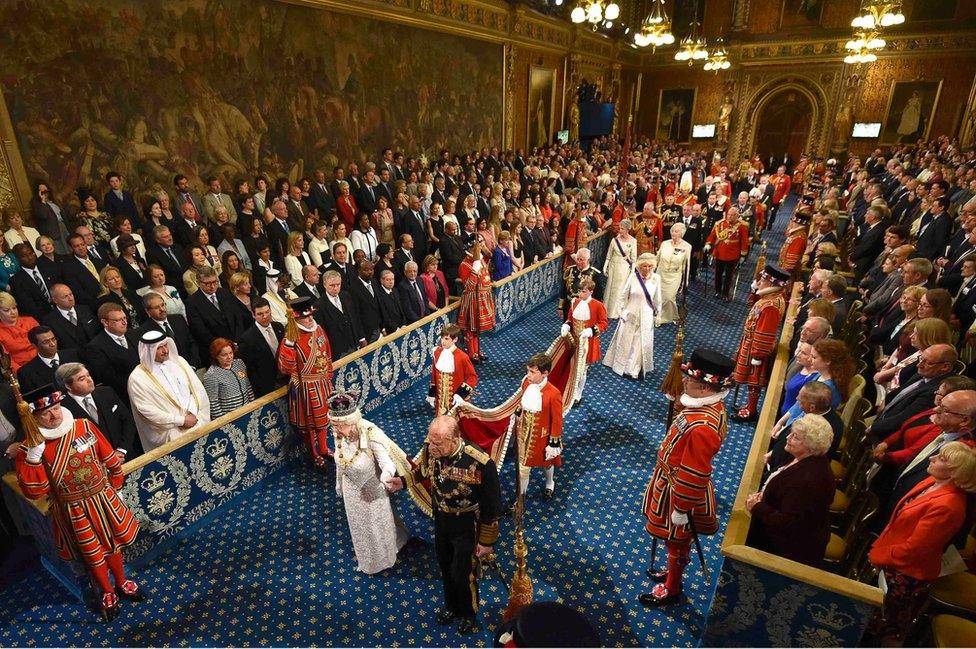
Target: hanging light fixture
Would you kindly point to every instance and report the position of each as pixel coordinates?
(656, 28)
(878, 13)
(719, 58)
(692, 47)
(595, 11)
(861, 48)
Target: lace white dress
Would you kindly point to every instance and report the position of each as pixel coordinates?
(377, 532)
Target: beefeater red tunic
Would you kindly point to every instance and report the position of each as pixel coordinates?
(597, 323)
(682, 477)
(309, 364)
(461, 381)
(793, 248)
(81, 473)
(477, 310)
(759, 339)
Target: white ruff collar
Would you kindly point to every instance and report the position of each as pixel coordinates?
(532, 397)
(67, 423)
(768, 290)
(445, 360)
(312, 330)
(692, 402)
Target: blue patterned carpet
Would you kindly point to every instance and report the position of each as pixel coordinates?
(277, 568)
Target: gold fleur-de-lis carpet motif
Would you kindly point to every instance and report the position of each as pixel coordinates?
(277, 567)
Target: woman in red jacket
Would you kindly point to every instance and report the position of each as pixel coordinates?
(909, 551)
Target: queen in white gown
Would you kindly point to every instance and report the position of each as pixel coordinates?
(619, 265)
(673, 267)
(631, 351)
(365, 458)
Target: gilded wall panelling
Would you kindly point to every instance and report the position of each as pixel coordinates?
(967, 134)
(14, 188)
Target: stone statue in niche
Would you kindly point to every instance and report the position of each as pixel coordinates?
(724, 119)
(574, 120)
(844, 121)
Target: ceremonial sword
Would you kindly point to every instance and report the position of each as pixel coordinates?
(694, 534)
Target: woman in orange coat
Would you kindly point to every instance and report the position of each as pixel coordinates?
(13, 332)
(909, 551)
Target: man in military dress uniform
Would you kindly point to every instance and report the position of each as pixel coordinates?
(477, 309)
(466, 502)
(72, 463)
(670, 213)
(680, 490)
(755, 355)
(729, 243)
(791, 254)
(453, 378)
(781, 189)
(305, 356)
(570, 288)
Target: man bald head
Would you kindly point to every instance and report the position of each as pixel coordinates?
(936, 360)
(442, 436)
(814, 329)
(957, 412)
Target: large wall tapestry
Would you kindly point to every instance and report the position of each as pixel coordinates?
(911, 105)
(230, 87)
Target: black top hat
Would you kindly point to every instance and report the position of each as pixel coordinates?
(709, 367)
(43, 397)
(551, 624)
(775, 274)
(302, 306)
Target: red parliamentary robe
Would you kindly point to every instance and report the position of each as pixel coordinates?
(682, 477)
(477, 310)
(81, 473)
(309, 364)
(461, 381)
(759, 339)
(791, 254)
(597, 323)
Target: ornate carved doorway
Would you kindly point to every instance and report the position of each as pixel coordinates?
(783, 125)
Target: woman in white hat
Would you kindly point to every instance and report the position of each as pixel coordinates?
(365, 458)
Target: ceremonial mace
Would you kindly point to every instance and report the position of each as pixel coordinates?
(32, 436)
(520, 592)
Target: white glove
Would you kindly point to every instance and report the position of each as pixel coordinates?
(553, 451)
(457, 400)
(624, 315)
(34, 453)
(707, 247)
(431, 401)
(586, 333)
(679, 518)
(564, 330)
(755, 362)
(476, 266)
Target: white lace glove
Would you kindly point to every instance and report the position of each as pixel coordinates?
(457, 400)
(586, 333)
(679, 518)
(431, 401)
(553, 451)
(564, 330)
(34, 454)
(755, 362)
(476, 266)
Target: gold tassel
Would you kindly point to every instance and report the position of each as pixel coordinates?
(761, 261)
(291, 331)
(32, 435)
(671, 386)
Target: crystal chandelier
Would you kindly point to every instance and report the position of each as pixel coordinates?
(861, 48)
(656, 28)
(878, 13)
(718, 59)
(692, 47)
(595, 11)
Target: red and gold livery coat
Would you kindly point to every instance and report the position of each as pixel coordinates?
(782, 184)
(309, 364)
(597, 323)
(791, 254)
(477, 311)
(443, 385)
(729, 241)
(81, 473)
(650, 234)
(759, 339)
(682, 477)
(537, 429)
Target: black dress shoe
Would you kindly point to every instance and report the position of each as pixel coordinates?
(446, 616)
(467, 625)
(738, 416)
(657, 576)
(659, 596)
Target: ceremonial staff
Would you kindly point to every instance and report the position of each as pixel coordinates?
(520, 592)
(32, 436)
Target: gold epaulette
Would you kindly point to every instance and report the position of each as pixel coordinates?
(480, 456)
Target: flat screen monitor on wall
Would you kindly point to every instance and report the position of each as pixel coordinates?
(701, 131)
(866, 129)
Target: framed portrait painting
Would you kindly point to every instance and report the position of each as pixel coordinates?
(911, 105)
(542, 100)
(674, 114)
(800, 13)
